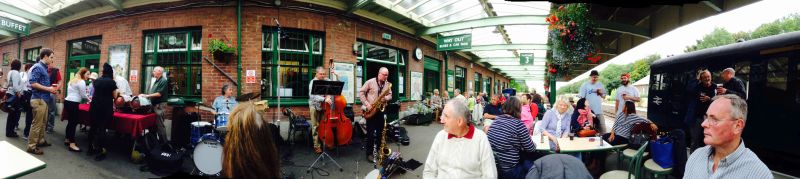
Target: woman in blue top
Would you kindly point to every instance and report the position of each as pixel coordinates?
(556, 121)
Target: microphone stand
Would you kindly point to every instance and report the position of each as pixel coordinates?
(279, 65)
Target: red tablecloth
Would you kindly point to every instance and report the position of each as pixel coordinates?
(132, 124)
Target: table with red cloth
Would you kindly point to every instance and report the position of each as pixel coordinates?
(132, 124)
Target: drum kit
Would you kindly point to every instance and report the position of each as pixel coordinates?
(207, 140)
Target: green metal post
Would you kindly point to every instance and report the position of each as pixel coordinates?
(239, 46)
(553, 90)
(19, 47)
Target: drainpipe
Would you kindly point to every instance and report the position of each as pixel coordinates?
(19, 47)
(239, 46)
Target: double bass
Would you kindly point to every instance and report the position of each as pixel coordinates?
(335, 128)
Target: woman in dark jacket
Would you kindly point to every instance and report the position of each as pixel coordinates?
(583, 118)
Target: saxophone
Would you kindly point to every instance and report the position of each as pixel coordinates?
(379, 103)
(383, 152)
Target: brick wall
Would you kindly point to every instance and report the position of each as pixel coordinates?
(340, 35)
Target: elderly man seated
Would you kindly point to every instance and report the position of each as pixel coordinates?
(724, 155)
(459, 151)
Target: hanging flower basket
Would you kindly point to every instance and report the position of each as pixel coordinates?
(221, 50)
(571, 30)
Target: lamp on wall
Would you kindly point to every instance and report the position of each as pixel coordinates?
(278, 2)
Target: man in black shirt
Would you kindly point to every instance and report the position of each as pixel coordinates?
(704, 91)
(732, 85)
(102, 111)
(491, 111)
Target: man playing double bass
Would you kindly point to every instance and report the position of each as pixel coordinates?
(315, 106)
(368, 94)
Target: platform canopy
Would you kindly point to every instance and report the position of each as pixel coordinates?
(501, 30)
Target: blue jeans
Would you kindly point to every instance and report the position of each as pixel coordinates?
(51, 113)
(518, 171)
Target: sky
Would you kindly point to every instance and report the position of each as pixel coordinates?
(746, 18)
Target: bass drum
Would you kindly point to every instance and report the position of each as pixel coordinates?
(207, 155)
(141, 105)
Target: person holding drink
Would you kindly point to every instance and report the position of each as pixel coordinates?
(703, 91)
(594, 92)
(625, 92)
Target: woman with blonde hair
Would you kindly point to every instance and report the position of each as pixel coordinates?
(249, 150)
(556, 121)
(76, 93)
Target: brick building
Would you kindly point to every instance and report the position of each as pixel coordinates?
(176, 35)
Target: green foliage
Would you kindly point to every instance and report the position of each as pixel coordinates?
(787, 24)
(720, 36)
(716, 38)
(215, 45)
(520, 87)
(612, 96)
(610, 75)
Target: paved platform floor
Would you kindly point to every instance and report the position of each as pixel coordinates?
(295, 158)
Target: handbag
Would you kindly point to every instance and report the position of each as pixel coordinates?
(662, 151)
(640, 133)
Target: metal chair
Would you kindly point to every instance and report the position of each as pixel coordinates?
(634, 167)
(655, 169)
(297, 124)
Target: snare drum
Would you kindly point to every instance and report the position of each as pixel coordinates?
(222, 121)
(199, 129)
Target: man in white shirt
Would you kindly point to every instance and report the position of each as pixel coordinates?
(457, 93)
(459, 151)
(626, 92)
(124, 88)
(594, 92)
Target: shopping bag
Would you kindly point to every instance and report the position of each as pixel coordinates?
(662, 151)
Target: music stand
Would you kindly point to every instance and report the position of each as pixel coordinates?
(334, 88)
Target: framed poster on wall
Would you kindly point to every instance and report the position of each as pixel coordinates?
(346, 75)
(6, 58)
(119, 59)
(416, 85)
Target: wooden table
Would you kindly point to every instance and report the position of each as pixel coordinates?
(16, 163)
(579, 144)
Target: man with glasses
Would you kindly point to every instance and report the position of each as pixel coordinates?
(725, 155)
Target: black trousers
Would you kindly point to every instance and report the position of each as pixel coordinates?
(374, 132)
(100, 121)
(12, 121)
(72, 119)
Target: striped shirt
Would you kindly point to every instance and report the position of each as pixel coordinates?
(742, 163)
(508, 136)
(624, 124)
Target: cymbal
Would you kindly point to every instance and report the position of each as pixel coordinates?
(205, 108)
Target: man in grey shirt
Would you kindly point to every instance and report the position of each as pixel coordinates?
(724, 155)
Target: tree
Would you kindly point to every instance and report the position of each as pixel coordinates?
(641, 68)
(787, 24)
(520, 87)
(716, 38)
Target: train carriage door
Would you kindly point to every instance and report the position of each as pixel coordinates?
(771, 104)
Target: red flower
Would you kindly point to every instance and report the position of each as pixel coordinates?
(209, 35)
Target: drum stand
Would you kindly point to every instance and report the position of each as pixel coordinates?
(324, 154)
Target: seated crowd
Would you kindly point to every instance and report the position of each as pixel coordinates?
(506, 149)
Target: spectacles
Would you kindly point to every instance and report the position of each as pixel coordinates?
(714, 121)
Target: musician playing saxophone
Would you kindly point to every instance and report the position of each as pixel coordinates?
(368, 94)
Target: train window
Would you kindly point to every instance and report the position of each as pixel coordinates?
(797, 84)
(743, 73)
(777, 70)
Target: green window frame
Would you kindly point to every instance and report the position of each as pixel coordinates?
(461, 79)
(6, 58)
(179, 52)
(487, 85)
(477, 82)
(83, 52)
(301, 51)
(375, 53)
(31, 54)
(432, 75)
